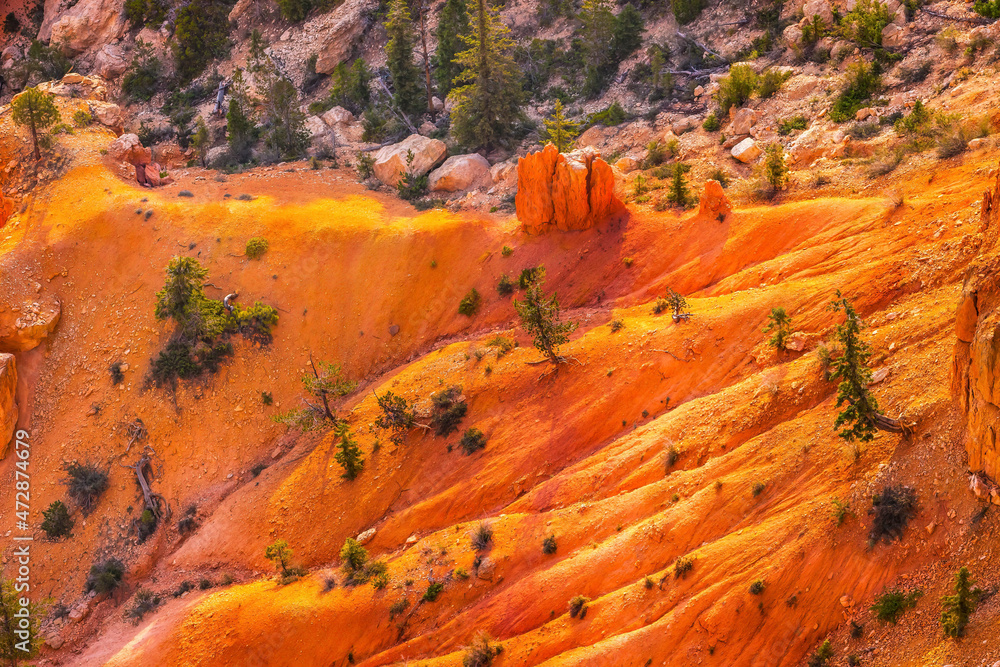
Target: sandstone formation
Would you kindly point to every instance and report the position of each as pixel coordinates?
(24, 329)
(110, 61)
(341, 31)
(460, 173)
(8, 408)
(568, 192)
(976, 365)
(86, 24)
(6, 209)
(714, 202)
(128, 148)
(390, 161)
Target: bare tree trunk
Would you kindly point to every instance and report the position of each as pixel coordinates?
(322, 394)
(427, 62)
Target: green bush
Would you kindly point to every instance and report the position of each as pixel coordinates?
(448, 410)
(433, 591)
(787, 126)
(529, 276)
(201, 33)
(863, 81)
(770, 82)
(757, 587)
(682, 566)
(142, 79)
(482, 536)
(82, 118)
(145, 602)
(105, 576)
(893, 509)
(988, 8)
(711, 123)
(891, 604)
(505, 286)
(864, 23)
(549, 545)
(609, 117)
(473, 440)
(294, 10)
(481, 652)
(57, 522)
(85, 484)
(470, 303)
(758, 488)
(822, 655)
(578, 607)
(956, 608)
(411, 186)
(736, 89)
(351, 87)
(686, 11)
(256, 247)
(11, 25)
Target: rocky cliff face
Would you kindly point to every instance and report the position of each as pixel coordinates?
(8, 408)
(566, 192)
(976, 366)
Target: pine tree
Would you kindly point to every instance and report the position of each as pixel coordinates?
(287, 124)
(775, 169)
(241, 124)
(399, 59)
(560, 130)
(781, 324)
(540, 318)
(678, 192)
(422, 18)
(487, 105)
(598, 31)
(35, 110)
(861, 417)
(453, 23)
(348, 453)
(397, 416)
(955, 609)
(280, 554)
(326, 381)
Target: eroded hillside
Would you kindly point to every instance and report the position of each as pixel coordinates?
(656, 441)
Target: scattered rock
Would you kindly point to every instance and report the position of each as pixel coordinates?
(486, 569)
(337, 116)
(815, 143)
(460, 173)
(746, 151)
(412, 539)
(316, 127)
(107, 114)
(743, 120)
(627, 164)
(367, 536)
(390, 161)
(979, 142)
(35, 322)
(568, 192)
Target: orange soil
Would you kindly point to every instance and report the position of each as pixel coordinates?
(578, 453)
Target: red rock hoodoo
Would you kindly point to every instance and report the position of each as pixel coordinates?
(566, 192)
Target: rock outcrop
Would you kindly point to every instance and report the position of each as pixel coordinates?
(566, 192)
(86, 24)
(714, 202)
(460, 173)
(8, 408)
(25, 328)
(6, 209)
(110, 61)
(815, 143)
(976, 363)
(390, 161)
(342, 30)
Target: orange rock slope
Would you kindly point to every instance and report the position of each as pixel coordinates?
(645, 447)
